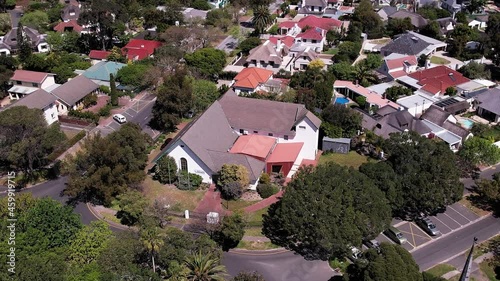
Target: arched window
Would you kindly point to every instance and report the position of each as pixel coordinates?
(184, 164)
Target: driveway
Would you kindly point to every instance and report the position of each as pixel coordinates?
(228, 44)
(15, 16)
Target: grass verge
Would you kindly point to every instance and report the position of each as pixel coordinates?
(488, 270)
(441, 269)
(254, 245)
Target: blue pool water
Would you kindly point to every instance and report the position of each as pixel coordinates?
(467, 123)
(341, 100)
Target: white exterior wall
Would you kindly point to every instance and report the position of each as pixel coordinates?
(309, 136)
(195, 165)
(4, 52)
(50, 113)
(49, 81)
(317, 47)
(43, 47)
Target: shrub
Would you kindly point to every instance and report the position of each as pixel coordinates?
(166, 170)
(105, 111)
(231, 172)
(86, 115)
(188, 181)
(265, 178)
(267, 190)
(90, 100)
(232, 190)
(104, 89)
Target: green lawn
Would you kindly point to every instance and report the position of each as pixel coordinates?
(439, 60)
(351, 159)
(488, 270)
(234, 205)
(441, 269)
(332, 51)
(253, 231)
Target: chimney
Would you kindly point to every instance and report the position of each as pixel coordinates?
(142, 46)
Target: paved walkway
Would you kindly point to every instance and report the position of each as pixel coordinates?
(264, 203)
(211, 202)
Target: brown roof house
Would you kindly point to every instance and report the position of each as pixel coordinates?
(221, 135)
(43, 100)
(25, 82)
(270, 56)
(70, 95)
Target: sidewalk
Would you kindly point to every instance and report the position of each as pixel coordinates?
(264, 203)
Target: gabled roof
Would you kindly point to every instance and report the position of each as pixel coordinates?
(75, 89)
(490, 100)
(71, 25)
(287, 40)
(313, 21)
(31, 34)
(405, 44)
(252, 77)
(253, 145)
(435, 115)
(102, 70)
(437, 79)
(99, 55)
(38, 99)
(416, 20)
(264, 115)
(400, 62)
(71, 11)
(30, 76)
(312, 34)
(267, 52)
(140, 49)
(394, 122)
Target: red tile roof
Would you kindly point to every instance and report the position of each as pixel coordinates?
(99, 55)
(437, 79)
(313, 21)
(29, 76)
(251, 77)
(285, 152)
(253, 145)
(63, 26)
(140, 49)
(287, 40)
(397, 74)
(398, 63)
(312, 34)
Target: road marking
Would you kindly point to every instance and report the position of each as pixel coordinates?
(128, 114)
(145, 118)
(443, 223)
(459, 213)
(460, 225)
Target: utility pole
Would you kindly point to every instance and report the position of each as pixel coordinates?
(468, 264)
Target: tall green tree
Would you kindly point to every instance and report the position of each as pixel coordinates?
(108, 166)
(208, 62)
(166, 170)
(204, 94)
(479, 151)
(231, 231)
(261, 18)
(89, 242)
(347, 119)
(397, 26)
(475, 70)
(432, 29)
(112, 90)
(395, 92)
(369, 19)
(392, 263)
(203, 267)
(326, 209)
(36, 19)
(23, 43)
(132, 204)
(152, 237)
(493, 32)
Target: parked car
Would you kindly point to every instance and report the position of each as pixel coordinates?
(372, 244)
(395, 235)
(427, 225)
(120, 118)
(356, 253)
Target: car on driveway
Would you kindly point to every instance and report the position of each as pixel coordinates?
(428, 226)
(119, 118)
(356, 254)
(372, 244)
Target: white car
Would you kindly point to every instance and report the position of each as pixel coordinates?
(120, 118)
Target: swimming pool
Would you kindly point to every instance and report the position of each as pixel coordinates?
(341, 100)
(467, 123)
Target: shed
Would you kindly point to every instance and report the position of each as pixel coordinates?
(337, 145)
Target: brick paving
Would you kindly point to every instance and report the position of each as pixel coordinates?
(211, 202)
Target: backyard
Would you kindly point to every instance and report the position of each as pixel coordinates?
(439, 60)
(351, 159)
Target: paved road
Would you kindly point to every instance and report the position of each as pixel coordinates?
(228, 44)
(15, 16)
(449, 246)
(278, 267)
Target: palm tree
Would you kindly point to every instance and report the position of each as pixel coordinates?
(204, 268)
(261, 18)
(152, 238)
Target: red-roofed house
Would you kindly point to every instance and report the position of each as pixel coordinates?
(98, 55)
(396, 65)
(312, 22)
(139, 49)
(352, 91)
(434, 81)
(254, 145)
(313, 37)
(25, 82)
(284, 158)
(251, 80)
(287, 40)
(68, 26)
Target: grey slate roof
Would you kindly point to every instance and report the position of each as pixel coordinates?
(254, 167)
(31, 34)
(385, 12)
(416, 20)
(395, 122)
(75, 89)
(435, 115)
(71, 11)
(405, 44)
(490, 100)
(38, 99)
(456, 129)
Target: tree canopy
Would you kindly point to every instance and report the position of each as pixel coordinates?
(395, 92)
(208, 62)
(344, 119)
(479, 151)
(475, 70)
(326, 209)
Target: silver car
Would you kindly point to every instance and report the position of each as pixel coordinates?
(428, 226)
(373, 244)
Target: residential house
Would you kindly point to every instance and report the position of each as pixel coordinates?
(303, 56)
(388, 120)
(71, 11)
(433, 81)
(416, 20)
(68, 26)
(100, 72)
(218, 4)
(387, 11)
(412, 43)
(138, 49)
(191, 14)
(262, 135)
(479, 22)
(416, 104)
(444, 126)
(25, 82)
(71, 94)
(453, 6)
(453, 105)
(251, 80)
(270, 56)
(8, 43)
(353, 91)
(41, 99)
(98, 56)
(312, 37)
(397, 65)
(446, 25)
(293, 28)
(312, 7)
(488, 105)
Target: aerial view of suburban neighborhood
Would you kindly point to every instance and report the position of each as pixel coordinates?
(250, 140)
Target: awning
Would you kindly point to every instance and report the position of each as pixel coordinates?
(22, 90)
